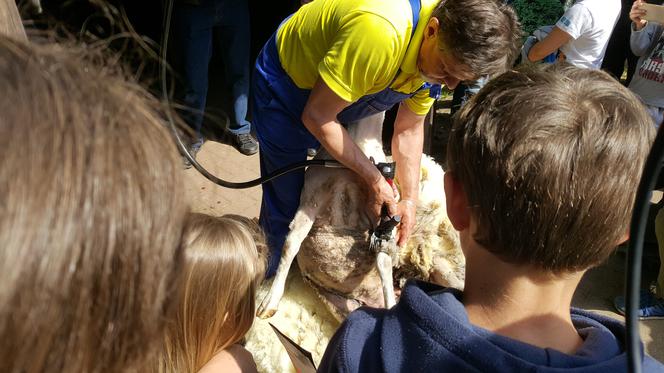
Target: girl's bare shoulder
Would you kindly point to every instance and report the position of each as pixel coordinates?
(235, 359)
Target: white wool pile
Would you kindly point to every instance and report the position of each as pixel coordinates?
(433, 252)
(301, 316)
(432, 178)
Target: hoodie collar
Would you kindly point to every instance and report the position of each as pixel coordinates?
(440, 316)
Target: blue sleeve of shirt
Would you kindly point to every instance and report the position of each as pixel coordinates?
(355, 345)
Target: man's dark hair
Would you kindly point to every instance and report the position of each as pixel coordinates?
(550, 160)
(483, 34)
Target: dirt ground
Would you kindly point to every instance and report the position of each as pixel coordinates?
(597, 289)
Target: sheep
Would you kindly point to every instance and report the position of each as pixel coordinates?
(331, 233)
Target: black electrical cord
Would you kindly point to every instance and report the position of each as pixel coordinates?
(183, 148)
(635, 252)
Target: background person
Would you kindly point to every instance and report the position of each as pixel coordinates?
(582, 33)
(198, 27)
(619, 56)
(647, 42)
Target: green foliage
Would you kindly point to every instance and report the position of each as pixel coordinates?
(534, 14)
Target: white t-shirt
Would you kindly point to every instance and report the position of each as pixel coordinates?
(589, 23)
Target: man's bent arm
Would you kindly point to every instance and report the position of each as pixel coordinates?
(407, 143)
(320, 118)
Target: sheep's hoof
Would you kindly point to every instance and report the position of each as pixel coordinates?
(265, 313)
(268, 306)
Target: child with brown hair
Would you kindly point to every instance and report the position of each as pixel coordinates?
(543, 169)
(224, 264)
(92, 209)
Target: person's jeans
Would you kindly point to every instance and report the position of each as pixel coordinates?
(193, 29)
(464, 91)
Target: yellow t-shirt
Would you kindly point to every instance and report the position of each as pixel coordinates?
(356, 47)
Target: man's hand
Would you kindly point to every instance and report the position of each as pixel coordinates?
(380, 193)
(406, 209)
(636, 15)
(320, 118)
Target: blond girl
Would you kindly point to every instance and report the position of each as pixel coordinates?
(223, 267)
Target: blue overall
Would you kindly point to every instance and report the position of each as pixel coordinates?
(277, 106)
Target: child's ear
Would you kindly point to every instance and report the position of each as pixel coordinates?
(457, 203)
(623, 239)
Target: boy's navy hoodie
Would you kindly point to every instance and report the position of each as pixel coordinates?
(428, 331)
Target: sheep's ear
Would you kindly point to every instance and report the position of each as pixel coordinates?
(457, 203)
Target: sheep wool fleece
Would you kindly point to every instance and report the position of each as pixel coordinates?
(428, 331)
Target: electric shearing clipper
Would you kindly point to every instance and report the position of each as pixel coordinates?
(383, 232)
(381, 240)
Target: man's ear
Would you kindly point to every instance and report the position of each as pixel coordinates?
(457, 203)
(432, 28)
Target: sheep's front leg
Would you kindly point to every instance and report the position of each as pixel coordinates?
(384, 264)
(299, 229)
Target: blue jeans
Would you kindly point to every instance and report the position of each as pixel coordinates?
(464, 91)
(193, 29)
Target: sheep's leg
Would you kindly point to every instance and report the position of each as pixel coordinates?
(384, 264)
(299, 229)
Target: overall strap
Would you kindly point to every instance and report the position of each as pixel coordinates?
(415, 7)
